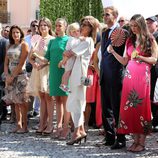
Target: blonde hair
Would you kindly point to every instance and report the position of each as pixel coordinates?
(62, 20)
(72, 27)
(48, 22)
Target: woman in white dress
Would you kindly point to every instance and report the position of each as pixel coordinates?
(77, 98)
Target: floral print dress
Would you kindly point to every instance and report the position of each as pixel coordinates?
(135, 110)
(15, 93)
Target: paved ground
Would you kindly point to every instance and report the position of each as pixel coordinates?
(30, 145)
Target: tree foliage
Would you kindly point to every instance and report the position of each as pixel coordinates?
(72, 10)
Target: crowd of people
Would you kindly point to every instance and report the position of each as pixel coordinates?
(96, 74)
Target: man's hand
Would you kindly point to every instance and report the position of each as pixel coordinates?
(110, 49)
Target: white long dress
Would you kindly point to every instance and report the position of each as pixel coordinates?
(76, 101)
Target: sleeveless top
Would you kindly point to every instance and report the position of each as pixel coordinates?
(13, 54)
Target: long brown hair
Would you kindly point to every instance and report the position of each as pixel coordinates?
(145, 37)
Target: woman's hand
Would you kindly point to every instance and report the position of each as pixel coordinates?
(9, 79)
(91, 67)
(33, 54)
(110, 49)
(35, 65)
(41, 66)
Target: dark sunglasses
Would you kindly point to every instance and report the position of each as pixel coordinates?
(86, 24)
(34, 25)
(106, 14)
(6, 30)
(121, 21)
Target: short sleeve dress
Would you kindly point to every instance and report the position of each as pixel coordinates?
(54, 54)
(135, 109)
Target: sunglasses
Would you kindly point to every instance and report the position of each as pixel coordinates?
(6, 30)
(106, 14)
(121, 21)
(34, 25)
(86, 24)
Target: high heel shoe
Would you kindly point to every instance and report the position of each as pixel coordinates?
(84, 137)
(74, 141)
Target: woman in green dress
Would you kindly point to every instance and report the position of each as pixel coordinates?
(54, 55)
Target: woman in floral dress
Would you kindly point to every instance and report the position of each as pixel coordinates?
(16, 77)
(135, 111)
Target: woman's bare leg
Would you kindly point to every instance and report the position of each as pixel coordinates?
(141, 145)
(50, 112)
(59, 115)
(18, 118)
(87, 114)
(24, 110)
(135, 143)
(66, 128)
(43, 112)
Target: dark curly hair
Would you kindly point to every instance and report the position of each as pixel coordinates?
(11, 40)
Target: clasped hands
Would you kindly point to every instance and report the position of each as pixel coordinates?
(9, 80)
(36, 65)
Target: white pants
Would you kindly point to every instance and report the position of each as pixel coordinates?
(78, 119)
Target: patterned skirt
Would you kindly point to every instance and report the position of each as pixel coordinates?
(16, 92)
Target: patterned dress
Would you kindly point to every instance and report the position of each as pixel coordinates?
(135, 111)
(15, 93)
